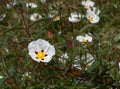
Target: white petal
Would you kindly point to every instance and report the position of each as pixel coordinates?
(47, 59)
(33, 56)
(89, 59)
(87, 3)
(74, 17)
(34, 16)
(91, 3)
(32, 5)
(95, 11)
(89, 38)
(83, 2)
(96, 19)
(50, 51)
(80, 38)
(74, 20)
(39, 45)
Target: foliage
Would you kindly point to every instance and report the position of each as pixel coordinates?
(17, 31)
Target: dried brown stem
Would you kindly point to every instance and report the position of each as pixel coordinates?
(25, 23)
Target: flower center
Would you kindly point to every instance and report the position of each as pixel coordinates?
(90, 19)
(87, 64)
(57, 18)
(36, 17)
(29, 76)
(87, 6)
(84, 40)
(40, 55)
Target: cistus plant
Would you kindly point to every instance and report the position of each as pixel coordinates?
(59, 44)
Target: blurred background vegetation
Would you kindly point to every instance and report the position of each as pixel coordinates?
(17, 31)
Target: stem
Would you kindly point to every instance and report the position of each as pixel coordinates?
(25, 23)
(5, 66)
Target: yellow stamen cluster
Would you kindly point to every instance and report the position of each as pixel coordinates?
(87, 64)
(40, 55)
(57, 17)
(29, 76)
(84, 41)
(90, 19)
(87, 6)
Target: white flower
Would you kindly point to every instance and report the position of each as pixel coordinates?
(41, 50)
(31, 5)
(2, 16)
(92, 15)
(43, 1)
(35, 17)
(74, 17)
(87, 4)
(84, 39)
(87, 60)
(56, 18)
(63, 58)
(10, 5)
(1, 76)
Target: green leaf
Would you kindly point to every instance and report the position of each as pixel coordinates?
(93, 66)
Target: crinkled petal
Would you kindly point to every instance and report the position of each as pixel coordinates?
(39, 45)
(89, 38)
